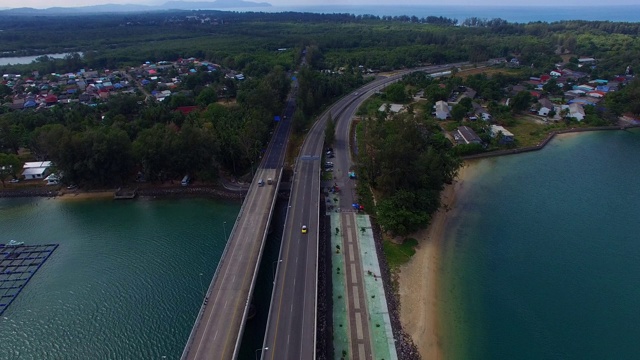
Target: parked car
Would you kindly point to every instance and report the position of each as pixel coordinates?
(13, 181)
(186, 180)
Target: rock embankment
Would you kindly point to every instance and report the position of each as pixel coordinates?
(195, 191)
(34, 192)
(405, 346)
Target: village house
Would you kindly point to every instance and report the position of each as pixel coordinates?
(481, 112)
(466, 135)
(442, 110)
(546, 106)
(393, 108)
(507, 136)
(35, 169)
(575, 111)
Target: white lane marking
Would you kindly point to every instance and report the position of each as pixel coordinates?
(359, 326)
(215, 335)
(351, 257)
(361, 355)
(356, 298)
(353, 274)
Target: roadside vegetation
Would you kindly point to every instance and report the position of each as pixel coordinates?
(130, 137)
(399, 254)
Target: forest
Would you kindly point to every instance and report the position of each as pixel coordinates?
(128, 137)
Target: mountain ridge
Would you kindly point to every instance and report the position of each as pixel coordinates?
(123, 8)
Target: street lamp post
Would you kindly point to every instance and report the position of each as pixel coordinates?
(224, 228)
(266, 348)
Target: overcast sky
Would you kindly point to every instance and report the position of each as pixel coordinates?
(40, 4)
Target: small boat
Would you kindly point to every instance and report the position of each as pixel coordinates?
(15, 243)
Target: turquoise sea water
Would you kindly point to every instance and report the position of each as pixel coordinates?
(124, 283)
(515, 13)
(542, 257)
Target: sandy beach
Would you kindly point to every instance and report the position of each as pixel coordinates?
(418, 279)
(84, 195)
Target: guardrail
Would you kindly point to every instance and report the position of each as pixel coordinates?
(255, 271)
(187, 347)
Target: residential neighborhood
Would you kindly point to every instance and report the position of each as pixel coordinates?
(87, 86)
(561, 95)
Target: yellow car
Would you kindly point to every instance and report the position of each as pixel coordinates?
(304, 229)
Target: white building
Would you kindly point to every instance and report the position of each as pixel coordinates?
(576, 111)
(507, 136)
(442, 110)
(394, 108)
(35, 169)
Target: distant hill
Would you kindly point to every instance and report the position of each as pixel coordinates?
(120, 8)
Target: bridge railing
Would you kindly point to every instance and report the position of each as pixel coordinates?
(187, 347)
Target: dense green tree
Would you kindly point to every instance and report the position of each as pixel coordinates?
(551, 87)
(9, 166)
(521, 101)
(47, 140)
(156, 150)
(98, 157)
(207, 96)
(402, 213)
(396, 93)
(458, 112)
(408, 162)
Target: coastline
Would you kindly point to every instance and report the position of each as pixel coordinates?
(418, 280)
(152, 192)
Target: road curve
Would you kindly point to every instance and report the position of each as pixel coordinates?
(291, 326)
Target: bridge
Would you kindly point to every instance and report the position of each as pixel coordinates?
(291, 328)
(217, 331)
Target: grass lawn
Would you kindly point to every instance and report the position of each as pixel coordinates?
(530, 133)
(399, 254)
(464, 73)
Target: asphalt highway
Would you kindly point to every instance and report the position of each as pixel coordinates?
(290, 332)
(292, 318)
(220, 323)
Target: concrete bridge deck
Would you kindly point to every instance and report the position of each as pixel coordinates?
(218, 329)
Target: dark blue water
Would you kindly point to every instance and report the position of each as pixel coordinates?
(543, 257)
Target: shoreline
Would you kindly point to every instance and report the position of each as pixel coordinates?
(546, 140)
(418, 279)
(150, 192)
